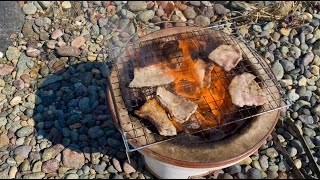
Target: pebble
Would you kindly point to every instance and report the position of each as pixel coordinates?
(272, 174)
(137, 5)
(297, 145)
(268, 26)
(36, 175)
(15, 101)
(12, 53)
(195, 3)
(220, 9)
(78, 42)
(50, 166)
(296, 52)
(254, 173)
(278, 70)
(287, 65)
(127, 14)
(4, 140)
(66, 5)
(84, 105)
(56, 34)
(72, 176)
(146, 16)
(297, 163)
(316, 110)
(307, 59)
(189, 13)
(306, 119)
(272, 153)
(51, 44)
(129, 167)
(68, 51)
(32, 52)
(315, 70)
(29, 9)
(45, 4)
(202, 21)
(95, 132)
(116, 164)
(233, 169)
(37, 166)
(292, 151)
(23, 151)
(246, 161)
(226, 176)
(258, 28)
(6, 69)
(72, 159)
(285, 31)
(302, 81)
(263, 160)
(25, 131)
(111, 169)
(13, 171)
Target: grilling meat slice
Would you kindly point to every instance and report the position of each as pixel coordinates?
(207, 77)
(195, 121)
(151, 76)
(180, 109)
(226, 56)
(245, 91)
(199, 71)
(152, 111)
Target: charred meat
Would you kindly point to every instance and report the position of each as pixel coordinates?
(152, 111)
(245, 91)
(179, 108)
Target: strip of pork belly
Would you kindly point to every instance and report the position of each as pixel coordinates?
(207, 77)
(179, 108)
(151, 76)
(226, 56)
(153, 112)
(199, 71)
(245, 91)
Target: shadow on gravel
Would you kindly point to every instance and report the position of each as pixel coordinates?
(71, 109)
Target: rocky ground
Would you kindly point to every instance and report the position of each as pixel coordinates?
(53, 81)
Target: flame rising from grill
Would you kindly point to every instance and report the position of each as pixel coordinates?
(212, 101)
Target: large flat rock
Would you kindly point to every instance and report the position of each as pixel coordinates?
(11, 21)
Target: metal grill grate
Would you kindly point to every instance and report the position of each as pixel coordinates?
(140, 132)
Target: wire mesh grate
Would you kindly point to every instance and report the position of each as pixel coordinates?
(140, 133)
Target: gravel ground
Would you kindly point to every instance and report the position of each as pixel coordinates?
(54, 122)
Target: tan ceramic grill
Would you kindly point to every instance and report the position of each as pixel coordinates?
(140, 133)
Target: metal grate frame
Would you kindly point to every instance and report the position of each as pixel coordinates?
(141, 133)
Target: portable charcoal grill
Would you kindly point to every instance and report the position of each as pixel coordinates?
(139, 133)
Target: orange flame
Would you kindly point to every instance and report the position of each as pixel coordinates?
(211, 101)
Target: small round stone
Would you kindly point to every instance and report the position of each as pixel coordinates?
(298, 163)
(15, 101)
(202, 21)
(66, 5)
(29, 9)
